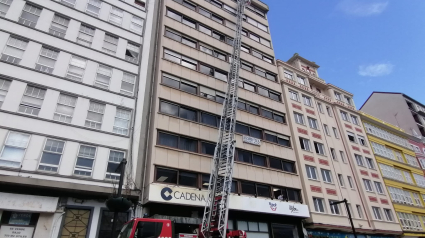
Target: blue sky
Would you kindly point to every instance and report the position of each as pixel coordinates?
(361, 45)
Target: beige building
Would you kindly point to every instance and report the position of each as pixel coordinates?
(335, 160)
(191, 77)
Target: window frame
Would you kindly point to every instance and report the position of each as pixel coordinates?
(83, 169)
(310, 176)
(326, 176)
(24, 148)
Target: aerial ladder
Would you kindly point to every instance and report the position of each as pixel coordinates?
(214, 222)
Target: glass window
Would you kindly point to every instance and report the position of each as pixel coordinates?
(4, 87)
(110, 44)
(93, 7)
(14, 149)
(85, 35)
(189, 22)
(174, 15)
(51, 156)
(59, 26)
(4, 7)
(76, 68)
(103, 76)
(368, 185)
(115, 16)
(115, 158)
(205, 30)
(47, 59)
(136, 24)
(188, 114)
(208, 148)
(168, 140)
(318, 205)
(204, 12)
(95, 115)
(209, 119)
(311, 172)
(248, 188)
(172, 35)
(253, 109)
(30, 15)
(305, 144)
(334, 208)
(189, 42)
(166, 175)
(85, 160)
(326, 176)
(206, 70)
(188, 179)
(377, 213)
(65, 108)
(244, 156)
(188, 144)
(122, 121)
(132, 53)
(32, 100)
(14, 50)
(263, 191)
(320, 148)
(259, 160)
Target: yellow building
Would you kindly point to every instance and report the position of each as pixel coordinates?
(402, 175)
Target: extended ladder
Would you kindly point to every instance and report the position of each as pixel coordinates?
(214, 222)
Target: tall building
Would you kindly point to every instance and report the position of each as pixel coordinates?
(191, 73)
(335, 160)
(402, 174)
(73, 76)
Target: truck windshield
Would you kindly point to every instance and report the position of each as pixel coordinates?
(126, 230)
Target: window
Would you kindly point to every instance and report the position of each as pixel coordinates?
(207, 148)
(359, 160)
(326, 129)
(418, 201)
(341, 180)
(335, 132)
(95, 115)
(307, 100)
(334, 208)
(59, 26)
(320, 107)
(350, 182)
(51, 156)
(378, 187)
(338, 96)
(341, 153)
(176, 110)
(382, 150)
(313, 123)
(209, 119)
(250, 131)
(136, 24)
(420, 180)
(299, 118)
(408, 178)
(179, 142)
(256, 24)
(359, 211)
(320, 148)
(370, 163)
(114, 161)
(103, 76)
(301, 80)
(311, 172)
(122, 121)
(277, 138)
(376, 131)
(210, 93)
(30, 15)
(344, 116)
(388, 214)
(14, 50)
(329, 110)
(288, 74)
(4, 87)
(110, 44)
(47, 59)
(333, 154)
(14, 149)
(69, 2)
(4, 7)
(294, 95)
(377, 213)
(368, 185)
(355, 120)
(409, 221)
(65, 108)
(411, 160)
(76, 68)
(326, 176)
(85, 35)
(115, 16)
(85, 160)
(93, 7)
(351, 137)
(318, 204)
(166, 175)
(362, 140)
(347, 100)
(32, 100)
(305, 144)
(127, 84)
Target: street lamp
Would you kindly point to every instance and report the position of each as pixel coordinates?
(349, 214)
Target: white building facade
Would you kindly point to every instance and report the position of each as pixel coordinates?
(74, 84)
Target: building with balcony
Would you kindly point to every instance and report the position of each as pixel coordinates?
(190, 80)
(335, 160)
(73, 84)
(401, 171)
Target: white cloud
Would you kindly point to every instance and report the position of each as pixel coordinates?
(375, 70)
(362, 8)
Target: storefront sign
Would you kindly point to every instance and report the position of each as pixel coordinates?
(20, 202)
(194, 197)
(16, 232)
(17, 218)
(251, 140)
(329, 234)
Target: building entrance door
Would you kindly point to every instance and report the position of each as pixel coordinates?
(76, 223)
(287, 231)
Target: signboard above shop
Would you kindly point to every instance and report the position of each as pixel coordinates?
(29, 203)
(194, 197)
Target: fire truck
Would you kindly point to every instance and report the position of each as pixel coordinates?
(214, 221)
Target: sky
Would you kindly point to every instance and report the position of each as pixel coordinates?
(361, 45)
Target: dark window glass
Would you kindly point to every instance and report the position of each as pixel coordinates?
(256, 133)
(205, 12)
(246, 49)
(220, 75)
(205, 30)
(168, 140)
(245, 33)
(188, 42)
(218, 4)
(260, 72)
(293, 195)
(271, 76)
(188, 88)
(288, 166)
(246, 67)
(220, 55)
(174, 15)
(249, 87)
(253, 109)
(279, 118)
(229, 41)
(268, 60)
(188, 179)
(166, 175)
(242, 105)
(189, 5)
(234, 187)
(209, 119)
(263, 191)
(259, 160)
(173, 35)
(189, 22)
(188, 114)
(257, 54)
(244, 156)
(279, 193)
(284, 142)
(275, 96)
(170, 82)
(205, 180)
(206, 70)
(271, 138)
(217, 19)
(218, 36)
(208, 148)
(275, 163)
(219, 99)
(248, 188)
(267, 113)
(263, 91)
(169, 108)
(242, 129)
(188, 144)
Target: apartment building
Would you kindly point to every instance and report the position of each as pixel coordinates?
(402, 174)
(335, 160)
(419, 148)
(73, 83)
(191, 75)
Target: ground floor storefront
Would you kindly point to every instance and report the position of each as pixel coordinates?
(341, 234)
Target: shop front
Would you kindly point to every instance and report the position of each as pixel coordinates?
(332, 234)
